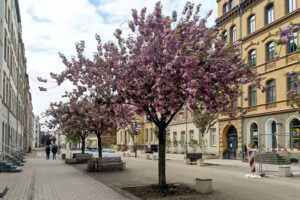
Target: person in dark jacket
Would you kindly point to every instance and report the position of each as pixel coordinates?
(54, 150)
(47, 152)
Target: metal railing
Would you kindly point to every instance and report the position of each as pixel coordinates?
(9, 151)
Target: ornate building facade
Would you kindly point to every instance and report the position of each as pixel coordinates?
(265, 120)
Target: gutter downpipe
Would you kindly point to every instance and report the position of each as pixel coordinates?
(241, 85)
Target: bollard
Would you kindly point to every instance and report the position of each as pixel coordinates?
(204, 186)
(148, 157)
(285, 171)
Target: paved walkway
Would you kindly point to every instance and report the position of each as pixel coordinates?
(52, 179)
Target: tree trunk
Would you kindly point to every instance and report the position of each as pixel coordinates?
(99, 146)
(82, 145)
(162, 157)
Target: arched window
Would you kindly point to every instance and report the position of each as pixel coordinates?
(224, 36)
(274, 133)
(252, 96)
(270, 51)
(251, 24)
(252, 57)
(269, 13)
(271, 91)
(233, 34)
(293, 43)
(295, 133)
(290, 6)
(254, 135)
(225, 8)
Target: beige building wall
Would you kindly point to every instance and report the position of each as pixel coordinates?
(263, 113)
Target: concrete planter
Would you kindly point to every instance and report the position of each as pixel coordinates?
(285, 171)
(200, 163)
(203, 186)
(154, 157)
(91, 165)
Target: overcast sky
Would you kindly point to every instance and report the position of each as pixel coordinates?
(52, 26)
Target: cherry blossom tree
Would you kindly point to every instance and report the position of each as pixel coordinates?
(107, 111)
(71, 118)
(168, 62)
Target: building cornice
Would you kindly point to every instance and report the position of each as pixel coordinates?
(236, 11)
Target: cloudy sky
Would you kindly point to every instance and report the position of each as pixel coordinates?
(52, 26)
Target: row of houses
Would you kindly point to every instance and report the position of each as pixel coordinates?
(16, 116)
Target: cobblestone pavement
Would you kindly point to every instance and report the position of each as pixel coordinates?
(52, 179)
(229, 182)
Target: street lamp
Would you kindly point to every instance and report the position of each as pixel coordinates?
(133, 131)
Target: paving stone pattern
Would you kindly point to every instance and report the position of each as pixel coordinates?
(43, 179)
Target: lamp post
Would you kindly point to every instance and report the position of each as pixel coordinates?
(133, 131)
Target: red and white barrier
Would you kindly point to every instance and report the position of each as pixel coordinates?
(251, 161)
(251, 154)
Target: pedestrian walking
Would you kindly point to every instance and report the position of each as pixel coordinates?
(54, 150)
(47, 152)
(245, 151)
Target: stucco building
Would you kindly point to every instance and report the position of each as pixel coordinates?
(266, 119)
(16, 118)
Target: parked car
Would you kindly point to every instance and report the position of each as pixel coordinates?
(151, 148)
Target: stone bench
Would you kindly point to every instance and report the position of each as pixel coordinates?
(110, 163)
(79, 158)
(192, 158)
(151, 157)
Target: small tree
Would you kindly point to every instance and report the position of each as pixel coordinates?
(194, 144)
(202, 146)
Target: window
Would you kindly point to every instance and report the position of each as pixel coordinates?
(290, 5)
(230, 4)
(293, 43)
(182, 135)
(254, 135)
(213, 137)
(191, 133)
(252, 96)
(292, 82)
(251, 24)
(233, 34)
(146, 135)
(224, 36)
(252, 57)
(151, 134)
(269, 12)
(225, 8)
(270, 51)
(271, 91)
(174, 136)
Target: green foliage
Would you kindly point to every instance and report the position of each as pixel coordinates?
(175, 143)
(204, 119)
(194, 145)
(73, 139)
